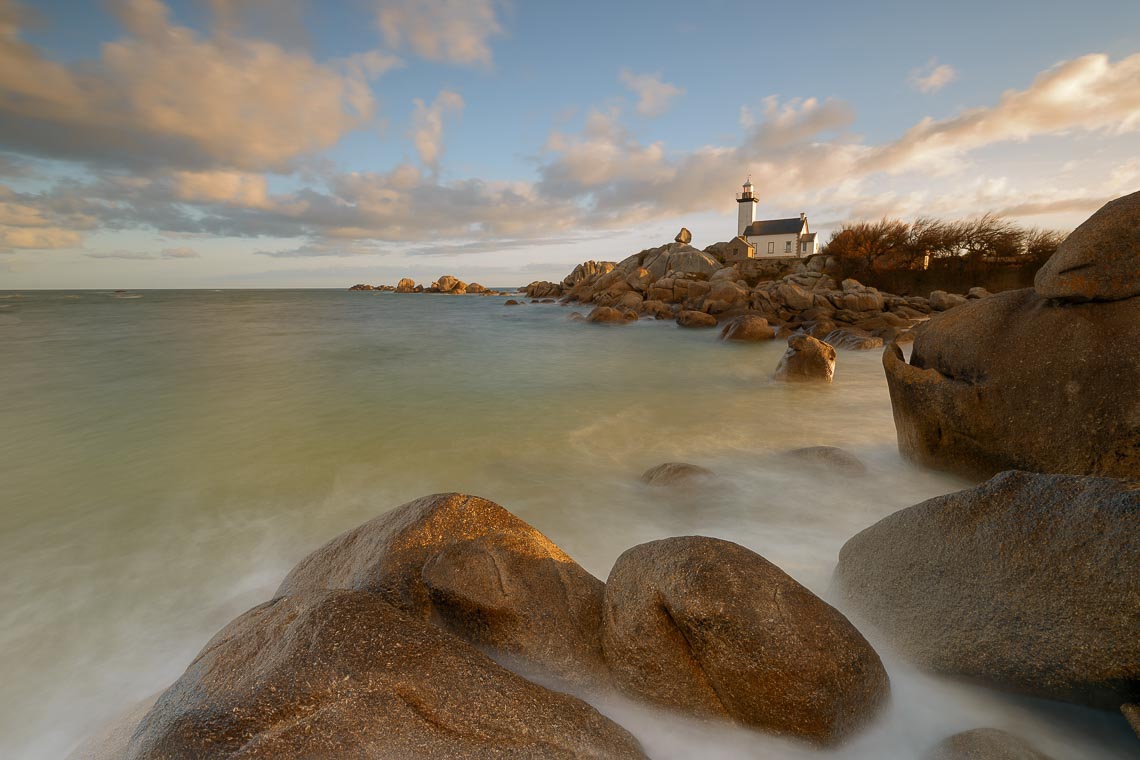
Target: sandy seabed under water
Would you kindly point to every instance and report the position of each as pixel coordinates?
(166, 460)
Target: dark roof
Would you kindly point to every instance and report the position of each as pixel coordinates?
(808, 236)
(775, 227)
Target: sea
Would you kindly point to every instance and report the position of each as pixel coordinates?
(167, 456)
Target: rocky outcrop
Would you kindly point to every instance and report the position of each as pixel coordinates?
(1100, 260)
(607, 315)
(471, 567)
(340, 674)
(476, 288)
(747, 328)
(406, 285)
(684, 236)
(1019, 381)
(707, 627)
(690, 318)
(984, 744)
(586, 271)
(543, 289)
(675, 473)
(449, 284)
(1027, 583)
(806, 360)
(828, 459)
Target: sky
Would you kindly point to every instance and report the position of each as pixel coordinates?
(296, 143)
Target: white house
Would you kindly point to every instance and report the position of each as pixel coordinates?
(772, 237)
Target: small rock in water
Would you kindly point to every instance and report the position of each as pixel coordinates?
(748, 328)
(691, 318)
(806, 360)
(830, 458)
(984, 744)
(611, 316)
(674, 473)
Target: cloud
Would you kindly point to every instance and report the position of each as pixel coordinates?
(168, 253)
(932, 77)
(180, 253)
(162, 96)
(427, 125)
(450, 31)
(801, 152)
(653, 94)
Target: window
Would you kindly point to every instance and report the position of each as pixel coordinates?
(787, 246)
(771, 247)
(803, 247)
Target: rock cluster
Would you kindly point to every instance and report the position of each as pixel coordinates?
(377, 644)
(1044, 379)
(446, 284)
(790, 295)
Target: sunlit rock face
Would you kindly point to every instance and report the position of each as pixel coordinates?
(1044, 379)
(1026, 583)
(469, 566)
(1016, 381)
(343, 674)
(706, 627)
(1100, 261)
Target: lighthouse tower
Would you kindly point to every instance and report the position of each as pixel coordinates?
(746, 214)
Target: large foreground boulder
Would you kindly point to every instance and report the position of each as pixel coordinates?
(343, 674)
(984, 744)
(471, 567)
(1029, 583)
(1016, 381)
(707, 627)
(806, 360)
(1044, 379)
(1100, 260)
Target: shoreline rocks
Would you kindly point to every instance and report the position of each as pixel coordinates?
(1026, 583)
(709, 628)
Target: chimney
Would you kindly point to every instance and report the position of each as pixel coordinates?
(803, 216)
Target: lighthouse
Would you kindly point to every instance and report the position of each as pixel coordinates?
(746, 213)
